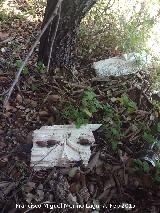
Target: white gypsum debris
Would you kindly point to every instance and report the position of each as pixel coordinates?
(125, 64)
(67, 148)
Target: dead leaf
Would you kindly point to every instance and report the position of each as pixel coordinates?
(34, 103)
(6, 187)
(94, 160)
(124, 157)
(1, 132)
(43, 113)
(73, 172)
(3, 161)
(29, 187)
(40, 193)
(19, 98)
(8, 107)
(2, 145)
(29, 138)
(84, 193)
(74, 187)
(53, 98)
(3, 79)
(3, 36)
(29, 197)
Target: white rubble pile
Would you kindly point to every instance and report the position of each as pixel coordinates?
(67, 146)
(124, 65)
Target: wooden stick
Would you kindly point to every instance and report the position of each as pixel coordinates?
(53, 39)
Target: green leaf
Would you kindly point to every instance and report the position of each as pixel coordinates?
(40, 67)
(34, 87)
(114, 145)
(138, 162)
(25, 71)
(87, 112)
(158, 127)
(115, 132)
(145, 167)
(157, 178)
(129, 104)
(149, 138)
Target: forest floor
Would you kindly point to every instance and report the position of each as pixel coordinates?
(116, 178)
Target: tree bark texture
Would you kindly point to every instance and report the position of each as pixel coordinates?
(72, 12)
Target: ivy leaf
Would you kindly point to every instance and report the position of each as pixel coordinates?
(149, 138)
(87, 112)
(145, 167)
(158, 127)
(114, 145)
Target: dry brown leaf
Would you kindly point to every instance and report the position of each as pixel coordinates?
(2, 145)
(29, 187)
(3, 161)
(3, 36)
(53, 98)
(19, 98)
(73, 172)
(3, 79)
(1, 131)
(94, 160)
(40, 193)
(43, 114)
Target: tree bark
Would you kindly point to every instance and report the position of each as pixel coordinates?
(72, 12)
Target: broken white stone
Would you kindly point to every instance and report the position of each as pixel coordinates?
(67, 150)
(126, 64)
(113, 66)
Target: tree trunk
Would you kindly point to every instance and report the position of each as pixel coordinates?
(72, 12)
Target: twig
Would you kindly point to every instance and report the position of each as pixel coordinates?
(30, 53)
(7, 40)
(53, 39)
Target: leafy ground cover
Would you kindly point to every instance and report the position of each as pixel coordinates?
(116, 174)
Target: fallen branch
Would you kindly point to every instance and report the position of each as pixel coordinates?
(53, 39)
(30, 53)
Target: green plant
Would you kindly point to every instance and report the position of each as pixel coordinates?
(156, 176)
(158, 127)
(88, 106)
(19, 64)
(147, 136)
(128, 103)
(113, 130)
(1, 98)
(141, 166)
(40, 67)
(108, 110)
